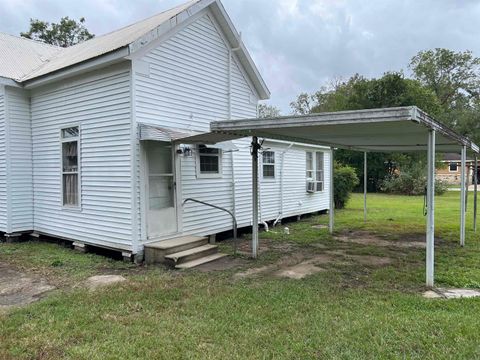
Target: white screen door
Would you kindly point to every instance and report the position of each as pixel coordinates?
(162, 216)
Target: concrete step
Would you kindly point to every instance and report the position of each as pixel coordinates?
(155, 252)
(190, 254)
(200, 261)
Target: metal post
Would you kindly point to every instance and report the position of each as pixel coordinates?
(430, 263)
(255, 147)
(332, 202)
(475, 180)
(462, 195)
(365, 179)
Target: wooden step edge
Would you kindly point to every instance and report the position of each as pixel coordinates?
(171, 244)
(189, 252)
(200, 261)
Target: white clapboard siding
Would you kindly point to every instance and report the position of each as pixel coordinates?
(296, 200)
(20, 187)
(187, 87)
(100, 104)
(3, 164)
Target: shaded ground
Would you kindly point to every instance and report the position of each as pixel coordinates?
(19, 289)
(365, 238)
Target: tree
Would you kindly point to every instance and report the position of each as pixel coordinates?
(357, 93)
(451, 75)
(66, 33)
(455, 79)
(268, 111)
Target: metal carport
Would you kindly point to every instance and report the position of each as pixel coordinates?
(402, 129)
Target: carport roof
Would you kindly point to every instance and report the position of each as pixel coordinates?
(400, 129)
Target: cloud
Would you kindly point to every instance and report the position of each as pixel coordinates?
(298, 45)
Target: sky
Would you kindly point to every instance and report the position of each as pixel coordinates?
(298, 45)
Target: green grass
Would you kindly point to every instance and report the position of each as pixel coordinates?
(347, 312)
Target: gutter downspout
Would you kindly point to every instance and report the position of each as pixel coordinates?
(232, 158)
(280, 214)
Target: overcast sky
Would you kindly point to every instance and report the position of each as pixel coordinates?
(298, 45)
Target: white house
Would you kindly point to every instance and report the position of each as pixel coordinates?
(91, 136)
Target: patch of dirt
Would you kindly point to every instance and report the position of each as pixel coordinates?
(225, 263)
(99, 281)
(364, 238)
(245, 246)
(18, 289)
(299, 271)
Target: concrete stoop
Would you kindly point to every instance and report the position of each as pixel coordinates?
(182, 253)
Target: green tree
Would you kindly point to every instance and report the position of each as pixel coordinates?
(357, 93)
(268, 111)
(66, 33)
(455, 79)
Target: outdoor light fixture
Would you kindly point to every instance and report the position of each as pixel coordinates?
(186, 151)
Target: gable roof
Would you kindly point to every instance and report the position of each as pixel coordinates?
(40, 60)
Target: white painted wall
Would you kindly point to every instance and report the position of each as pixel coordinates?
(3, 163)
(100, 103)
(19, 161)
(183, 83)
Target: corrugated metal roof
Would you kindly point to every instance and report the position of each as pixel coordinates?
(20, 57)
(104, 44)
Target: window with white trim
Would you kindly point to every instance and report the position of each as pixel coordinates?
(315, 171)
(209, 162)
(70, 138)
(268, 164)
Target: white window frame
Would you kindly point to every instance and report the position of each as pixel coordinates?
(200, 174)
(453, 171)
(274, 165)
(63, 140)
(314, 170)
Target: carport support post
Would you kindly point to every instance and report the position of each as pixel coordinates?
(430, 209)
(365, 178)
(332, 202)
(462, 195)
(475, 180)
(255, 147)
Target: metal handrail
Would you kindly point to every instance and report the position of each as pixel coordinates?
(223, 209)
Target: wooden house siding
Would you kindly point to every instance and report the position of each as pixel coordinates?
(3, 163)
(99, 103)
(187, 82)
(19, 142)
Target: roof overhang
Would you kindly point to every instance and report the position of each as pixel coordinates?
(401, 129)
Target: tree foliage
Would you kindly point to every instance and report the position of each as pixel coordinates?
(268, 111)
(66, 33)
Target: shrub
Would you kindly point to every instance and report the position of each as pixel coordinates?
(345, 180)
(411, 180)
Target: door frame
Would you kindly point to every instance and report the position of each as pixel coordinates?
(144, 191)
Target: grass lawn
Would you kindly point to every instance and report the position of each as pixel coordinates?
(347, 312)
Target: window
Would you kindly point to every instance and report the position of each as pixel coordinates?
(209, 162)
(268, 161)
(70, 138)
(453, 167)
(314, 171)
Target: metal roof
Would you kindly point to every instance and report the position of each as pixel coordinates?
(401, 129)
(20, 57)
(23, 60)
(107, 43)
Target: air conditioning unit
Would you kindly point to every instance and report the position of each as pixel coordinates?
(310, 187)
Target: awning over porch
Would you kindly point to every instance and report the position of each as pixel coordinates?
(156, 133)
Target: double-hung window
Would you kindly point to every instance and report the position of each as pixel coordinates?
(70, 138)
(315, 171)
(268, 164)
(209, 162)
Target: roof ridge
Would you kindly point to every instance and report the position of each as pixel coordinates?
(37, 42)
(145, 19)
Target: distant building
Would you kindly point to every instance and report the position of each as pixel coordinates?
(451, 173)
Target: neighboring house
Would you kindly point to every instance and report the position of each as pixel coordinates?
(451, 172)
(90, 136)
